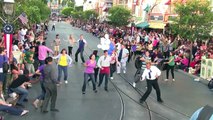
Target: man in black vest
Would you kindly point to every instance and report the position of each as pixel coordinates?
(82, 43)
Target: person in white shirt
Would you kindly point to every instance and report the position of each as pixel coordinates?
(123, 54)
(151, 74)
(104, 65)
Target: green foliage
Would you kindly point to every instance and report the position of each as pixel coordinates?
(79, 8)
(195, 20)
(90, 14)
(67, 11)
(119, 16)
(36, 10)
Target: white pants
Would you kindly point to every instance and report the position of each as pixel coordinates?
(121, 66)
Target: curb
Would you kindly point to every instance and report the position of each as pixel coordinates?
(204, 81)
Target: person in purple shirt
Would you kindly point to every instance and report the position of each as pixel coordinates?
(40, 98)
(89, 73)
(42, 53)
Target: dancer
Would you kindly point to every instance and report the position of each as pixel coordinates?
(104, 65)
(89, 73)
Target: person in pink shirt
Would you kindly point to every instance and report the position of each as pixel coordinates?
(184, 62)
(89, 73)
(155, 43)
(42, 53)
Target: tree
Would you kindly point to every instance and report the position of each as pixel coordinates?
(36, 10)
(194, 21)
(90, 14)
(119, 16)
(67, 11)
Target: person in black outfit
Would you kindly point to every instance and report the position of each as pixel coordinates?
(82, 42)
(151, 74)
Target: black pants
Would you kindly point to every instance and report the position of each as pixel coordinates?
(138, 75)
(150, 84)
(96, 74)
(76, 55)
(112, 69)
(53, 28)
(101, 77)
(172, 71)
(70, 50)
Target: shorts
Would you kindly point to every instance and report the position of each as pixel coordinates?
(56, 48)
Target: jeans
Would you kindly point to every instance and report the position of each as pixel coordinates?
(92, 78)
(150, 84)
(76, 55)
(23, 93)
(60, 69)
(41, 62)
(43, 91)
(11, 110)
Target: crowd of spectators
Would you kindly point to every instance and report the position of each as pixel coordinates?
(188, 54)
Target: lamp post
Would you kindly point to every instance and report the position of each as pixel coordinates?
(8, 7)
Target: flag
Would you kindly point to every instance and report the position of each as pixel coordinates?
(168, 2)
(23, 18)
(8, 43)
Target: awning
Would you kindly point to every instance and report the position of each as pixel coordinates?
(142, 25)
(157, 25)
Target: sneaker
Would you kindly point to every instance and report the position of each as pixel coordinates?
(173, 80)
(160, 101)
(124, 71)
(83, 92)
(24, 112)
(166, 80)
(66, 82)
(134, 84)
(111, 78)
(35, 103)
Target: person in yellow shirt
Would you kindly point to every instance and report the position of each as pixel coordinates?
(64, 60)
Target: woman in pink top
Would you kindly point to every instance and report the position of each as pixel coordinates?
(184, 62)
(89, 73)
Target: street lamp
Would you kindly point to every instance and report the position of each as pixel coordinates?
(8, 6)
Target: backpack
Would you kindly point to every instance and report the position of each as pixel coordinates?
(138, 63)
(210, 84)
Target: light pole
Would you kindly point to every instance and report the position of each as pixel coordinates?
(8, 7)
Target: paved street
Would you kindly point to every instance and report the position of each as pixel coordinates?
(181, 98)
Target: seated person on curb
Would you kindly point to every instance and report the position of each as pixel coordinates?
(19, 86)
(12, 110)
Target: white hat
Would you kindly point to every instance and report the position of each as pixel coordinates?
(15, 48)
